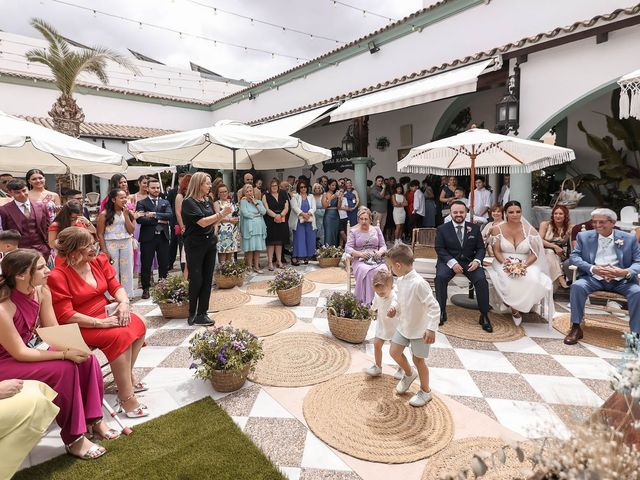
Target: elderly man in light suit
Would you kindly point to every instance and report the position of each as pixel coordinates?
(609, 260)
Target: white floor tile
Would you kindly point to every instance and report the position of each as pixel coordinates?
(603, 352)
(485, 360)
(47, 448)
(177, 385)
(563, 390)
(292, 473)
(151, 357)
(304, 312)
(522, 345)
(586, 367)
(441, 341)
(453, 381)
(321, 323)
(180, 323)
(541, 330)
(156, 312)
(318, 455)
(240, 421)
(532, 420)
(322, 302)
(266, 406)
(386, 358)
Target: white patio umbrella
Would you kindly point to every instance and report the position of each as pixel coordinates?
(25, 145)
(228, 145)
(480, 151)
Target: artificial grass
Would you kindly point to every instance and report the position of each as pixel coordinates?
(193, 442)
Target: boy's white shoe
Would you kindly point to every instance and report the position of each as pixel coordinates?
(421, 398)
(407, 380)
(399, 374)
(373, 371)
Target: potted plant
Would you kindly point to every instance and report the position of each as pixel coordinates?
(172, 296)
(382, 143)
(230, 274)
(329, 256)
(349, 319)
(225, 356)
(287, 284)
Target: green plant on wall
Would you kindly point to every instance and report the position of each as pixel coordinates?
(619, 168)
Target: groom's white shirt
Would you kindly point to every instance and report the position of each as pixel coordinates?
(453, 262)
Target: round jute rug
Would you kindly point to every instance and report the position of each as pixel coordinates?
(327, 275)
(463, 323)
(227, 299)
(364, 417)
(459, 453)
(299, 359)
(260, 288)
(599, 330)
(261, 321)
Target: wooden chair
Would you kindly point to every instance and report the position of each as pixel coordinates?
(423, 242)
(601, 296)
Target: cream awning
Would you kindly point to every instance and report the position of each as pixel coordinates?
(448, 84)
(294, 123)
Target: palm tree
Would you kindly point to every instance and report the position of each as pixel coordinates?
(66, 64)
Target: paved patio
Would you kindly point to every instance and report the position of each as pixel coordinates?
(528, 388)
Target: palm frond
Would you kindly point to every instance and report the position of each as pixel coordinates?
(115, 57)
(38, 55)
(57, 44)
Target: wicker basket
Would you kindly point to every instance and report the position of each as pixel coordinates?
(173, 310)
(224, 281)
(329, 262)
(348, 329)
(291, 297)
(224, 381)
(561, 200)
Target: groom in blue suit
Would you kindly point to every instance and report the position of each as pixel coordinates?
(609, 260)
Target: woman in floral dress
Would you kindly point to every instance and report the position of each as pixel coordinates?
(228, 231)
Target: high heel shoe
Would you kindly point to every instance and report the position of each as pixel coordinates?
(517, 318)
(92, 453)
(137, 412)
(111, 434)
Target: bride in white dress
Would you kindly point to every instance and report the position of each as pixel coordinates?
(516, 239)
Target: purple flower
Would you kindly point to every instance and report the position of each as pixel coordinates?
(193, 365)
(238, 345)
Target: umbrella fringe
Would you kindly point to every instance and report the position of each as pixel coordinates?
(557, 159)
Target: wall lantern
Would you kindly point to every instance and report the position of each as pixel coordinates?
(349, 142)
(508, 108)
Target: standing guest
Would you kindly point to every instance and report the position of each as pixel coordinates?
(4, 179)
(318, 192)
(390, 226)
(447, 195)
(303, 223)
(69, 216)
(30, 219)
(200, 244)
(141, 194)
(409, 193)
(399, 203)
(71, 194)
(115, 235)
(228, 231)
(331, 221)
(324, 181)
(353, 202)
(418, 211)
(379, 201)
(429, 219)
(176, 238)
(459, 195)
(276, 202)
(343, 207)
(259, 185)
(481, 198)
(118, 181)
(25, 304)
(182, 189)
(39, 193)
(342, 184)
(609, 260)
(418, 314)
(252, 228)
(78, 288)
(248, 180)
(154, 214)
(505, 191)
(555, 237)
(213, 196)
(366, 245)
(291, 183)
(496, 219)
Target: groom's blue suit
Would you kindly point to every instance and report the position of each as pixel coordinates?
(584, 255)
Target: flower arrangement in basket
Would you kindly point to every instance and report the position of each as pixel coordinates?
(224, 355)
(514, 267)
(568, 197)
(287, 284)
(230, 274)
(172, 296)
(329, 255)
(349, 319)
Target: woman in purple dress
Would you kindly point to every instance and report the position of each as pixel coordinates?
(366, 246)
(25, 304)
(303, 223)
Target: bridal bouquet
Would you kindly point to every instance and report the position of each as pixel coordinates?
(514, 267)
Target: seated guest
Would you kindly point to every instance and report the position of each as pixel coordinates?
(555, 237)
(366, 246)
(577, 228)
(496, 219)
(26, 411)
(78, 286)
(31, 219)
(69, 216)
(609, 260)
(25, 304)
(476, 219)
(459, 194)
(9, 240)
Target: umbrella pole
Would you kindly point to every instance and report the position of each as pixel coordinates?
(233, 178)
(473, 182)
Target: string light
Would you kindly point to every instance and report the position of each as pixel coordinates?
(364, 12)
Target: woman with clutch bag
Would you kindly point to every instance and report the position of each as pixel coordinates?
(303, 223)
(555, 237)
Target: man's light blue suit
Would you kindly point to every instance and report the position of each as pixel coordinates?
(583, 256)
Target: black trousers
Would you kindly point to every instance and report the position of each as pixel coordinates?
(478, 279)
(174, 245)
(159, 247)
(201, 261)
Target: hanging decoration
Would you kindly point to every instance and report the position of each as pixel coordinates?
(630, 95)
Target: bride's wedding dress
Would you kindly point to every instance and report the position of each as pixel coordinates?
(534, 291)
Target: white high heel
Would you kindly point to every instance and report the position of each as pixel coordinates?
(517, 320)
(139, 411)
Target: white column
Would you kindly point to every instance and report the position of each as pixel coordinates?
(521, 191)
(360, 177)
(226, 178)
(492, 180)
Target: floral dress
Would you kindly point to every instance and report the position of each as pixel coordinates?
(228, 233)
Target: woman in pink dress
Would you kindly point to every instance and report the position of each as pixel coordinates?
(366, 246)
(25, 304)
(38, 192)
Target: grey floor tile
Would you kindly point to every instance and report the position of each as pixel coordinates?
(536, 364)
(179, 358)
(443, 358)
(555, 346)
(317, 474)
(470, 344)
(168, 337)
(478, 404)
(241, 402)
(602, 388)
(281, 439)
(509, 386)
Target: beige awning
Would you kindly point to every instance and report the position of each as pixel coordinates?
(294, 123)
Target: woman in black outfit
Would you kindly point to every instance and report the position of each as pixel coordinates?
(200, 245)
(276, 201)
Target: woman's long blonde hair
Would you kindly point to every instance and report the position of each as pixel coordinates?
(193, 189)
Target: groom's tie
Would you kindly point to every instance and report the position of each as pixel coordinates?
(459, 233)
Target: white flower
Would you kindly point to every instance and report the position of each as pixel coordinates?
(619, 242)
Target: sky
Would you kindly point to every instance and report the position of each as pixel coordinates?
(205, 18)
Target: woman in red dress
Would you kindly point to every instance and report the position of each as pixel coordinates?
(78, 286)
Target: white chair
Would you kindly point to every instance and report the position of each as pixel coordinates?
(92, 199)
